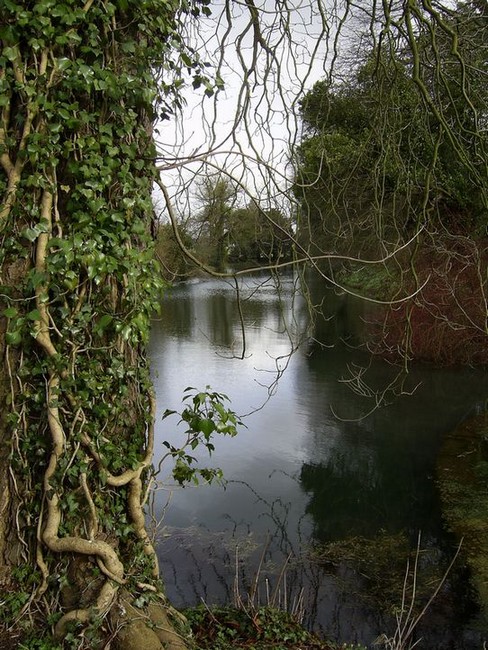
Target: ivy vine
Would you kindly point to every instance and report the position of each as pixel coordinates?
(80, 87)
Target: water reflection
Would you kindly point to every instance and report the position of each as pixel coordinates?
(299, 475)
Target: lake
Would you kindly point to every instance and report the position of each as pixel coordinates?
(334, 476)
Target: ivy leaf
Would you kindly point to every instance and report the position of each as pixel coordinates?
(13, 338)
(11, 53)
(186, 59)
(31, 234)
(34, 315)
(63, 63)
(103, 323)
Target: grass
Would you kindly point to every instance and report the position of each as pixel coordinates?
(374, 281)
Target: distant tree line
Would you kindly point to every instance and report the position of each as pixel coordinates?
(224, 233)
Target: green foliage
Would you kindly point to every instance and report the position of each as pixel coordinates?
(257, 236)
(399, 141)
(223, 628)
(374, 281)
(205, 415)
(221, 232)
(174, 266)
(216, 196)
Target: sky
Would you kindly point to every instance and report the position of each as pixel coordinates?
(247, 129)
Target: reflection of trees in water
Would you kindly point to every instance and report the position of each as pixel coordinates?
(176, 318)
(392, 492)
(337, 316)
(210, 308)
(367, 474)
(221, 314)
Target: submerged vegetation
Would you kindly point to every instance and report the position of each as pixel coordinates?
(463, 484)
(386, 563)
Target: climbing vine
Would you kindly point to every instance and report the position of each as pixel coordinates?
(80, 87)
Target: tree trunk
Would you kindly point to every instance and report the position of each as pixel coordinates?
(78, 286)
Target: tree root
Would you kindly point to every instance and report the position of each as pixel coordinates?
(137, 515)
(151, 629)
(106, 556)
(132, 478)
(69, 544)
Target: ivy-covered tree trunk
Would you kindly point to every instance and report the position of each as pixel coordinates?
(78, 286)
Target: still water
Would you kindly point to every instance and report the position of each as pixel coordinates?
(330, 455)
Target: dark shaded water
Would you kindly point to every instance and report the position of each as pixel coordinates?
(309, 469)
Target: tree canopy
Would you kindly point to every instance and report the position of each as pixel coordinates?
(398, 142)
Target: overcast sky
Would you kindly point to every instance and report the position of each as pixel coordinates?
(247, 128)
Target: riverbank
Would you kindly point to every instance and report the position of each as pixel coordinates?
(445, 320)
(263, 628)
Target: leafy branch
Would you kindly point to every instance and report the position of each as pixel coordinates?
(205, 415)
